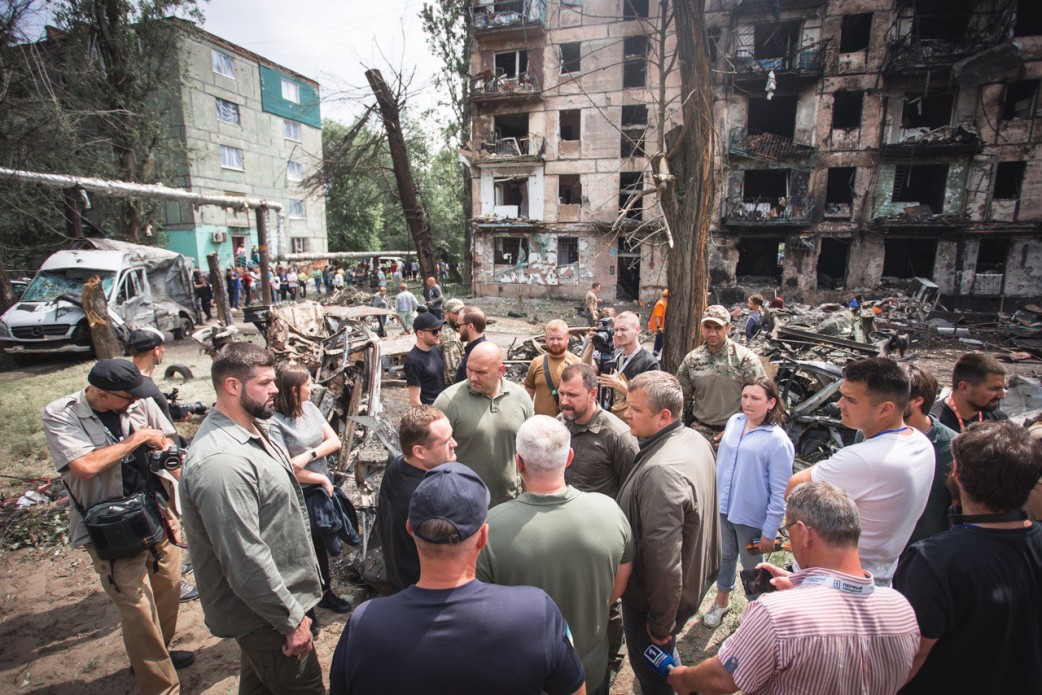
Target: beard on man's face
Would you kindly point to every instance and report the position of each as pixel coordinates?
(256, 409)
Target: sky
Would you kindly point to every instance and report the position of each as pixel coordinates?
(330, 41)
(327, 40)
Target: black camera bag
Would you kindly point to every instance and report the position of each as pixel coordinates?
(124, 527)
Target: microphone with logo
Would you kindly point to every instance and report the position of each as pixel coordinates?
(659, 659)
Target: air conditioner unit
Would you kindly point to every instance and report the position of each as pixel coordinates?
(218, 237)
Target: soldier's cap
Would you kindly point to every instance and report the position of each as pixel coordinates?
(453, 493)
(144, 339)
(425, 321)
(121, 375)
(454, 306)
(717, 314)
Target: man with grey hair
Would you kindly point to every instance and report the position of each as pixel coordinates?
(816, 616)
(576, 546)
(670, 500)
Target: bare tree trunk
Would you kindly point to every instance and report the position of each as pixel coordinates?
(73, 213)
(419, 227)
(96, 308)
(686, 187)
(220, 289)
(7, 298)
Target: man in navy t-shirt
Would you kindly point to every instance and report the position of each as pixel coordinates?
(450, 633)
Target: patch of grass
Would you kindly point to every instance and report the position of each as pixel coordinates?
(25, 452)
(92, 665)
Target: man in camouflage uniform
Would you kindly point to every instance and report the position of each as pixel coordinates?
(713, 375)
(451, 345)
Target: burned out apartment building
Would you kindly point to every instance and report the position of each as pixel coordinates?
(860, 143)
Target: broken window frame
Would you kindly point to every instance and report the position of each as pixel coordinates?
(300, 244)
(499, 188)
(515, 255)
(635, 9)
(561, 124)
(571, 64)
(572, 183)
(1030, 107)
(904, 191)
(1036, 19)
(630, 184)
(633, 125)
(835, 200)
(1009, 180)
(567, 250)
(842, 101)
(520, 64)
(635, 62)
(845, 38)
(911, 110)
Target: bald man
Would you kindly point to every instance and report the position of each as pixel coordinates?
(544, 373)
(486, 411)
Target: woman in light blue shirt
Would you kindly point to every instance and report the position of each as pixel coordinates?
(753, 466)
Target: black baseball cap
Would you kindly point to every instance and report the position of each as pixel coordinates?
(144, 339)
(453, 493)
(121, 375)
(425, 321)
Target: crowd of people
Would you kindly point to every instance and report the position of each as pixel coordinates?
(536, 534)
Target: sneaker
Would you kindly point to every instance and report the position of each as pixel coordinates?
(715, 614)
(332, 602)
(187, 568)
(188, 592)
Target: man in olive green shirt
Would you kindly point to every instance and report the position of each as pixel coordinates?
(486, 411)
(248, 527)
(576, 546)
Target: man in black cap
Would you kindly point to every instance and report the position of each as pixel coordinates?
(457, 634)
(99, 438)
(424, 369)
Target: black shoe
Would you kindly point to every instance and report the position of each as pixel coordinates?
(332, 602)
(181, 659)
(315, 627)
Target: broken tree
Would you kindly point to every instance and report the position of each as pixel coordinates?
(419, 227)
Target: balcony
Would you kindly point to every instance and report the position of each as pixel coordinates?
(954, 141)
(509, 18)
(510, 149)
(760, 6)
(521, 88)
(804, 64)
(769, 147)
(910, 54)
(756, 212)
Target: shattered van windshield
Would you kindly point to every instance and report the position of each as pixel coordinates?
(48, 285)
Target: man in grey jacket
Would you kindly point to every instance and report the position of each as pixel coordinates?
(670, 500)
(248, 527)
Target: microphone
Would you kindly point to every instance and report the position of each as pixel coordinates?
(659, 659)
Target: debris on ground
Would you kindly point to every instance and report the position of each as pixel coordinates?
(36, 518)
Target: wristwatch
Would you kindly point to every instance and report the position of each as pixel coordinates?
(314, 454)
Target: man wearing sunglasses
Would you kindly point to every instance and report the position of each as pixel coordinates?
(424, 369)
(99, 438)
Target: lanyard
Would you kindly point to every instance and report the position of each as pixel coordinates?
(626, 363)
(896, 429)
(955, 409)
(846, 586)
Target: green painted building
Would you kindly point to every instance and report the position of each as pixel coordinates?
(250, 128)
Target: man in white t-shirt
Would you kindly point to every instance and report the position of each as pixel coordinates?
(889, 474)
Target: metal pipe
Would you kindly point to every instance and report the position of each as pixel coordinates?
(262, 250)
(123, 189)
(344, 255)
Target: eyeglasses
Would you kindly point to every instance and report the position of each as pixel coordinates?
(790, 525)
(433, 331)
(123, 396)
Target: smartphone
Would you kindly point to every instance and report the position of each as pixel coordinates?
(757, 581)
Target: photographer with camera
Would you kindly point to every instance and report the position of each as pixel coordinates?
(100, 439)
(619, 358)
(838, 632)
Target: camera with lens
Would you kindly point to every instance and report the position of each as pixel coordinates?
(603, 337)
(168, 459)
(179, 411)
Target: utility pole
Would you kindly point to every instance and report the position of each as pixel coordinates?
(262, 249)
(73, 214)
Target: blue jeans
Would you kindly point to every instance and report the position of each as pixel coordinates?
(734, 538)
(635, 620)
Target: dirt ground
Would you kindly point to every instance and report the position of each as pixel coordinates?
(60, 633)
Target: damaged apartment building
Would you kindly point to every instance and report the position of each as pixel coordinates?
(859, 143)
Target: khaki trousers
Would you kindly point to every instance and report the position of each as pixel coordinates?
(147, 601)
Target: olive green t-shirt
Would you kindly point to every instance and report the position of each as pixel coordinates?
(570, 545)
(485, 429)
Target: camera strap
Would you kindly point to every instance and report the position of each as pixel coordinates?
(550, 379)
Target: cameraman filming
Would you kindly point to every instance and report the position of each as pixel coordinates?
(627, 359)
(100, 439)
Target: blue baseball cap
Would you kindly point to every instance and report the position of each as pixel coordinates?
(453, 493)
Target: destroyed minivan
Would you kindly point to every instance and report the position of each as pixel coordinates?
(145, 286)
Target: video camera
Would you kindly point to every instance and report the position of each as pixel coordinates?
(180, 411)
(603, 340)
(168, 459)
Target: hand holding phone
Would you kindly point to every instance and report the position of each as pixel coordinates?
(757, 581)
